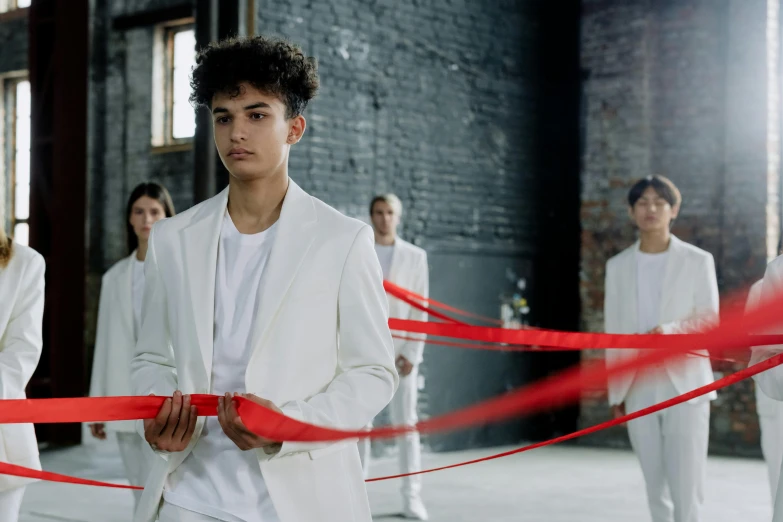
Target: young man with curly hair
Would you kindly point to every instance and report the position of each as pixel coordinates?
(262, 292)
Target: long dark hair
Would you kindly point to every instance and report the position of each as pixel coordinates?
(151, 190)
(6, 247)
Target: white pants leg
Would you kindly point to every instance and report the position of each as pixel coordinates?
(686, 433)
(671, 446)
(403, 412)
(772, 447)
(646, 434)
(10, 504)
(171, 513)
(135, 455)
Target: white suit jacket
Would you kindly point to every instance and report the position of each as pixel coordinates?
(771, 381)
(323, 350)
(21, 342)
(689, 299)
(115, 338)
(764, 405)
(409, 269)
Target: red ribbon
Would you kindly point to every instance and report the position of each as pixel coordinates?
(698, 392)
(553, 391)
(409, 297)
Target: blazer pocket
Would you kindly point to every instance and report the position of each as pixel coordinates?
(332, 448)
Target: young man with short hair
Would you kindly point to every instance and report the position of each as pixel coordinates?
(404, 265)
(663, 285)
(265, 292)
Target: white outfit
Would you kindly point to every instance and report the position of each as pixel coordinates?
(770, 382)
(770, 414)
(11, 504)
(119, 313)
(218, 479)
(320, 347)
(678, 291)
(408, 268)
(21, 342)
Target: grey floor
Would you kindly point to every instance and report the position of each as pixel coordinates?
(555, 484)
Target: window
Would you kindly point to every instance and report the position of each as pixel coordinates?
(10, 5)
(16, 155)
(174, 119)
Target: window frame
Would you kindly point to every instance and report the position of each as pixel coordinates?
(7, 6)
(163, 139)
(8, 116)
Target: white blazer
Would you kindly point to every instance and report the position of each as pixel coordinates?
(409, 269)
(115, 338)
(764, 405)
(689, 299)
(771, 381)
(323, 350)
(21, 342)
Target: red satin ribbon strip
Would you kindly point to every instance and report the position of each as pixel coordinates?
(19, 471)
(549, 339)
(407, 295)
(416, 304)
(698, 392)
(554, 391)
(513, 348)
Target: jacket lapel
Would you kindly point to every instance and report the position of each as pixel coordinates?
(200, 244)
(294, 236)
(629, 282)
(674, 266)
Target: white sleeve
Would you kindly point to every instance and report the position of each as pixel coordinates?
(706, 301)
(612, 357)
(22, 340)
(414, 350)
(153, 368)
(770, 381)
(100, 355)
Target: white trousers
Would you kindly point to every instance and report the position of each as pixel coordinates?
(172, 513)
(671, 446)
(135, 453)
(402, 411)
(772, 447)
(10, 504)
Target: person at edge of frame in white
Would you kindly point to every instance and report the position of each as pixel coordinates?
(262, 292)
(663, 285)
(770, 411)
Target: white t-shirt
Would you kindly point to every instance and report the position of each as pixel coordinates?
(218, 479)
(650, 274)
(652, 385)
(385, 254)
(137, 289)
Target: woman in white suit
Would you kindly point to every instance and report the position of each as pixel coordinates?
(119, 316)
(663, 285)
(21, 341)
(770, 411)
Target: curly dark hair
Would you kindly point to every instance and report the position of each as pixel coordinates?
(272, 65)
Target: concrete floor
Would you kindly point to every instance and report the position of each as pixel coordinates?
(556, 484)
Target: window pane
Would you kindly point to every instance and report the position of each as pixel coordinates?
(22, 151)
(22, 233)
(22, 3)
(22, 201)
(183, 117)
